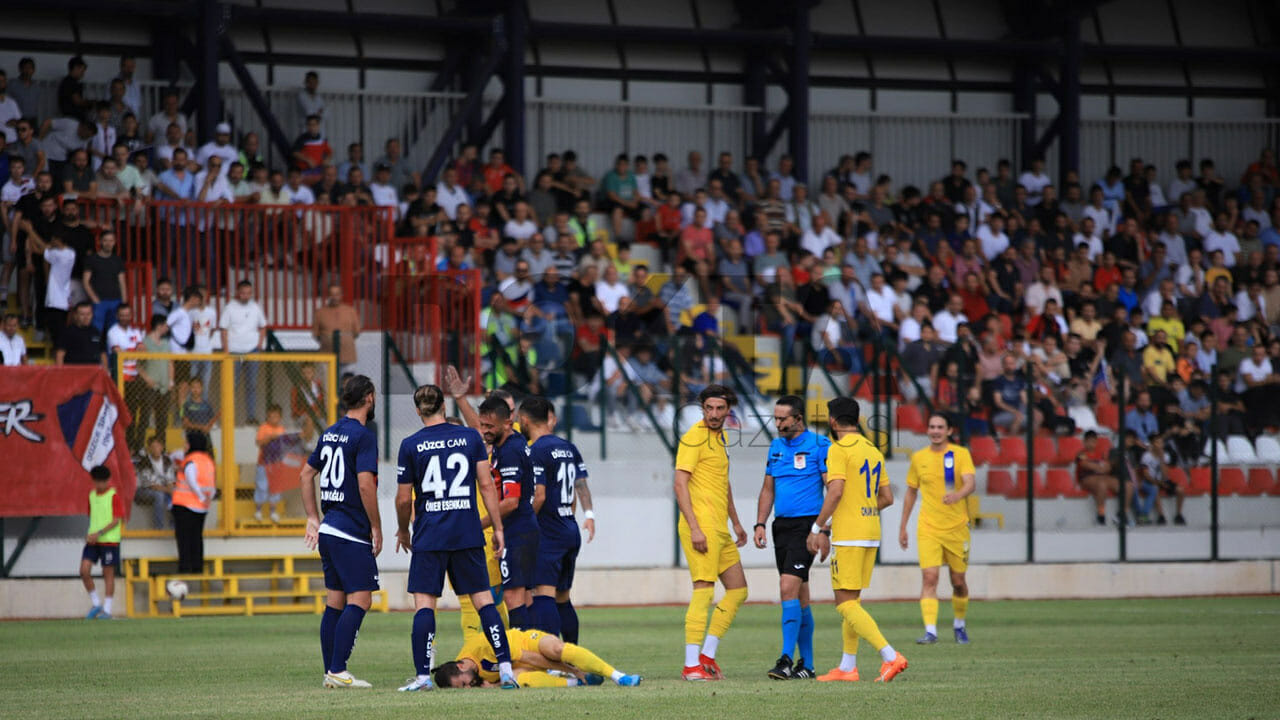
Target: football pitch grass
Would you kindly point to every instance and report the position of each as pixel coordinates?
(1203, 657)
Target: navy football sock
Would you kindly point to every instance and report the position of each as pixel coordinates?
(790, 626)
(491, 624)
(519, 617)
(344, 637)
(328, 626)
(806, 635)
(568, 621)
(422, 639)
(545, 616)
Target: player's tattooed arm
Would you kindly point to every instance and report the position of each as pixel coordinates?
(582, 494)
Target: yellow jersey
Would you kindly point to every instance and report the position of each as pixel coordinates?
(935, 474)
(477, 649)
(703, 455)
(856, 519)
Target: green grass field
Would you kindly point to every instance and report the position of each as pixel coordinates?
(1205, 658)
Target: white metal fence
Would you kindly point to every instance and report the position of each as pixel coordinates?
(911, 149)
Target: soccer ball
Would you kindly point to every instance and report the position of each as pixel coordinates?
(177, 589)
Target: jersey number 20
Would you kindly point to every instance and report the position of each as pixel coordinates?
(335, 467)
(433, 480)
(867, 471)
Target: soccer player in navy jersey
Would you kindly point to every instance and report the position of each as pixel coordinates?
(350, 535)
(559, 476)
(439, 470)
(511, 464)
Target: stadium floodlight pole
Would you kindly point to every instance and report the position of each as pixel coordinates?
(1213, 468)
(1031, 465)
(1123, 470)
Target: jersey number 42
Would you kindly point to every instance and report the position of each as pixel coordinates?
(433, 480)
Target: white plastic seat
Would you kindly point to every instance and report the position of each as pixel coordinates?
(1084, 418)
(1241, 450)
(1268, 450)
(1223, 456)
(646, 254)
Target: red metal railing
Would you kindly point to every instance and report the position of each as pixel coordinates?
(289, 253)
(447, 305)
(140, 285)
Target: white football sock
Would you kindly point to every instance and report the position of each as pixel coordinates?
(958, 623)
(106, 605)
(573, 682)
(848, 663)
(690, 655)
(93, 598)
(616, 676)
(887, 653)
(505, 669)
(931, 629)
(710, 645)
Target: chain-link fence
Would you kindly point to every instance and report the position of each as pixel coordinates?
(261, 413)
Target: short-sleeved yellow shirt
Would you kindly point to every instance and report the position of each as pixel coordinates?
(936, 474)
(703, 455)
(860, 464)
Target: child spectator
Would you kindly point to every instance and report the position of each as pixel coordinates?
(268, 431)
(102, 543)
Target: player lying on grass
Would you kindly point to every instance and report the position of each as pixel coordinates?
(533, 653)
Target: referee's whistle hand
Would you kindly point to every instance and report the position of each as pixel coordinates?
(761, 541)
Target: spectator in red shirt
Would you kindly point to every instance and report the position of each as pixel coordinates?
(1107, 273)
(311, 152)
(496, 170)
(974, 296)
(696, 240)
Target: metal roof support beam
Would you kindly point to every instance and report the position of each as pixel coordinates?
(275, 133)
(469, 111)
(208, 101)
(798, 90)
(517, 21)
(1069, 97)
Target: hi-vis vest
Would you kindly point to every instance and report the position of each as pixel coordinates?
(101, 513)
(206, 477)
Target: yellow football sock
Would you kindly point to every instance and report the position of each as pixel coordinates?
(850, 638)
(929, 610)
(726, 610)
(540, 679)
(470, 619)
(863, 624)
(959, 606)
(585, 660)
(695, 618)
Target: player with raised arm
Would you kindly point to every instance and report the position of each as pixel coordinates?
(942, 532)
(438, 470)
(560, 479)
(514, 473)
(705, 499)
(350, 535)
(856, 493)
(794, 476)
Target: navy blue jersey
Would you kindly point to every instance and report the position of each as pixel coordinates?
(345, 450)
(557, 465)
(440, 462)
(513, 470)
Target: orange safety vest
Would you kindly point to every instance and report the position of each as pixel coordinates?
(206, 476)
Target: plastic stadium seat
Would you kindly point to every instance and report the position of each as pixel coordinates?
(1063, 482)
(1019, 490)
(647, 255)
(1069, 448)
(1084, 417)
(1231, 481)
(1268, 450)
(1046, 450)
(910, 418)
(1178, 475)
(1223, 456)
(983, 449)
(1240, 450)
(999, 482)
(1261, 480)
(1108, 416)
(1013, 451)
(1200, 481)
(1104, 445)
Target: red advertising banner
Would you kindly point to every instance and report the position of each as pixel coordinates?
(55, 424)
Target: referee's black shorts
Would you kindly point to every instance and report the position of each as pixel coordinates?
(789, 551)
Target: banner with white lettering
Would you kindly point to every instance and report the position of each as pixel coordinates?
(55, 424)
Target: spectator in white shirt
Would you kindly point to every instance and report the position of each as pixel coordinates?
(1034, 180)
(158, 125)
(13, 350)
(124, 336)
(204, 319)
(1174, 243)
(819, 237)
(449, 194)
(1256, 210)
(1190, 275)
(132, 93)
(1221, 238)
(298, 191)
(1184, 183)
(1088, 236)
(716, 204)
(1103, 218)
(946, 322)
(172, 142)
(309, 100)
(992, 237)
(244, 331)
(221, 147)
(1155, 195)
(610, 291)
(1261, 388)
(383, 192)
(690, 209)
(882, 301)
(1043, 290)
(1201, 218)
(1251, 303)
(521, 226)
(10, 113)
(181, 328)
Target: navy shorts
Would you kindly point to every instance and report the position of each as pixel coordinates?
(555, 566)
(468, 573)
(518, 561)
(106, 555)
(349, 566)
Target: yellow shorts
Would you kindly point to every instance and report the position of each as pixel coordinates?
(721, 554)
(851, 567)
(937, 548)
(491, 559)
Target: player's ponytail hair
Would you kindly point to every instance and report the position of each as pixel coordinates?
(355, 390)
(429, 400)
